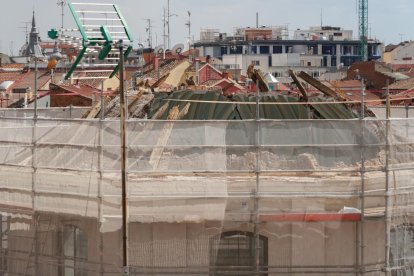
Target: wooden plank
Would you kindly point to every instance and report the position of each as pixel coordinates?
(175, 114)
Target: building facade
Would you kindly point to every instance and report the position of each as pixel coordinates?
(208, 198)
(315, 54)
(400, 54)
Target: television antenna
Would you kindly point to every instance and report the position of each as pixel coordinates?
(401, 37)
(62, 4)
(188, 24)
(169, 15)
(148, 29)
(11, 48)
(96, 36)
(26, 30)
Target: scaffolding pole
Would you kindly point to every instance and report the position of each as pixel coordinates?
(34, 180)
(256, 194)
(100, 191)
(362, 173)
(102, 101)
(123, 162)
(387, 186)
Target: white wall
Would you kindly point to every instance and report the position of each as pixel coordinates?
(42, 102)
(243, 61)
(315, 61)
(280, 60)
(326, 34)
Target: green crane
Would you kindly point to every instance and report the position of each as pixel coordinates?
(363, 29)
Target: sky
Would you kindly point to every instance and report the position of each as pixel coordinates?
(390, 21)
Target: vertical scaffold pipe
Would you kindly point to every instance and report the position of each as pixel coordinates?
(387, 186)
(256, 195)
(362, 173)
(123, 161)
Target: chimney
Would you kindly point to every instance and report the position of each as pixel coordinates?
(1, 62)
(156, 63)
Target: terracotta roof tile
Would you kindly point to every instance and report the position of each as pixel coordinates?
(10, 76)
(369, 97)
(403, 85)
(346, 84)
(12, 67)
(84, 90)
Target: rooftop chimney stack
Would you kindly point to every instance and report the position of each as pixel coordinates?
(257, 20)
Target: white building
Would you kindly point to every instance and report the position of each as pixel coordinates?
(315, 51)
(323, 33)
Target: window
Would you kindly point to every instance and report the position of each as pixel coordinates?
(256, 62)
(74, 251)
(4, 243)
(315, 74)
(235, 251)
(223, 50)
(347, 50)
(254, 50)
(402, 249)
(277, 49)
(327, 50)
(236, 49)
(264, 49)
(337, 34)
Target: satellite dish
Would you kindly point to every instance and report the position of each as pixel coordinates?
(159, 50)
(177, 49)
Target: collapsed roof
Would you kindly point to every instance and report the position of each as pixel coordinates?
(213, 105)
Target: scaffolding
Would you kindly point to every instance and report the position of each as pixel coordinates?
(252, 197)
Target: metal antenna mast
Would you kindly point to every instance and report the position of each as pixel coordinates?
(363, 28)
(11, 48)
(189, 30)
(169, 15)
(168, 24)
(164, 36)
(149, 31)
(26, 30)
(62, 4)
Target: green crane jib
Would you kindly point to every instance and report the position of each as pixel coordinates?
(363, 29)
(100, 27)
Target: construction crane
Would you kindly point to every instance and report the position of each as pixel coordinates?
(363, 29)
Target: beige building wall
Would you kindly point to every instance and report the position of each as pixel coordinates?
(180, 245)
(387, 57)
